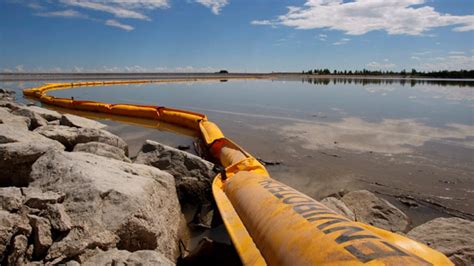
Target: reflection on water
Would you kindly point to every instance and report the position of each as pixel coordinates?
(388, 136)
(358, 114)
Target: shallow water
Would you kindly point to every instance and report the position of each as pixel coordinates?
(405, 137)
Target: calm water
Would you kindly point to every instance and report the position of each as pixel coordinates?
(399, 134)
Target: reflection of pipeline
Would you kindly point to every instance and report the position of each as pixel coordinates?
(268, 222)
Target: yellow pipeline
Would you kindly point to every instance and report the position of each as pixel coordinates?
(268, 222)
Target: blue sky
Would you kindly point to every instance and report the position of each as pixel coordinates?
(238, 35)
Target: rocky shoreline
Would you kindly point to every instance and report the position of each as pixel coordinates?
(70, 194)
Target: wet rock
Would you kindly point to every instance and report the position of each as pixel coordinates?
(19, 149)
(454, 237)
(123, 257)
(77, 121)
(18, 250)
(70, 136)
(36, 198)
(104, 195)
(339, 207)
(102, 149)
(49, 115)
(11, 198)
(35, 119)
(57, 216)
(11, 225)
(373, 210)
(42, 238)
(193, 175)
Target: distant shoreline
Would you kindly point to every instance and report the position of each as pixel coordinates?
(196, 76)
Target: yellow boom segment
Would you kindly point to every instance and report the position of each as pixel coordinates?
(268, 222)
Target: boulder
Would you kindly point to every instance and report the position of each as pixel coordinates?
(10, 225)
(11, 198)
(454, 237)
(42, 238)
(70, 136)
(19, 122)
(102, 149)
(136, 204)
(35, 119)
(375, 211)
(339, 207)
(19, 149)
(193, 175)
(123, 257)
(49, 115)
(77, 121)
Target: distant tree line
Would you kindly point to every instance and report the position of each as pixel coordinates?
(461, 74)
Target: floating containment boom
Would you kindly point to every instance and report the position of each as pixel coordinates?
(268, 222)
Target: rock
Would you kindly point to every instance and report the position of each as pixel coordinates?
(11, 198)
(42, 238)
(35, 198)
(209, 252)
(102, 149)
(70, 136)
(373, 210)
(57, 216)
(454, 237)
(35, 119)
(49, 115)
(19, 149)
(339, 207)
(10, 105)
(77, 241)
(7, 95)
(11, 225)
(193, 175)
(123, 257)
(204, 216)
(77, 121)
(18, 250)
(54, 123)
(134, 202)
(18, 122)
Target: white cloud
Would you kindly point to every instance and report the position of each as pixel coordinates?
(456, 52)
(361, 16)
(421, 53)
(215, 5)
(20, 68)
(452, 62)
(115, 23)
(262, 22)
(69, 13)
(415, 58)
(341, 41)
(377, 65)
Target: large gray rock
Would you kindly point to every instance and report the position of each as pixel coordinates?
(123, 257)
(114, 203)
(49, 115)
(102, 149)
(193, 175)
(35, 119)
(19, 149)
(19, 122)
(77, 121)
(70, 136)
(11, 198)
(454, 237)
(373, 210)
(339, 207)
